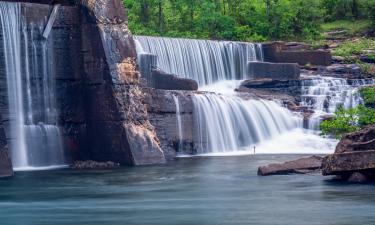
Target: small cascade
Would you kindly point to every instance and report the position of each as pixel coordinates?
(325, 94)
(230, 124)
(202, 60)
(179, 121)
(35, 139)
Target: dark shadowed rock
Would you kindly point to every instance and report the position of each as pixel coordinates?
(357, 177)
(90, 165)
(275, 71)
(299, 166)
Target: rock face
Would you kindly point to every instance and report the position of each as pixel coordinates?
(354, 154)
(289, 87)
(275, 71)
(300, 166)
(162, 113)
(118, 125)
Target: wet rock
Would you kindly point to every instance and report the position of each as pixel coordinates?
(357, 178)
(299, 166)
(6, 168)
(275, 71)
(90, 165)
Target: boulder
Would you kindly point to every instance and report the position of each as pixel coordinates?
(275, 71)
(299, 166)
(165, 81)
(357, 177)
(355, 153)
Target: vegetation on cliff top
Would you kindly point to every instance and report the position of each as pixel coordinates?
(248, 20)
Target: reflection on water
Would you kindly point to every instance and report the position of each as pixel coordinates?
(194, 191)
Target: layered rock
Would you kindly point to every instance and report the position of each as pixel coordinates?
(354, 155)
(280, 52)
(117, 119)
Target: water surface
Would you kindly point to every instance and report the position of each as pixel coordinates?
(191, 191)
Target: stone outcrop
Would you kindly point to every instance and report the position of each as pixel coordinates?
(274, 71)
(280, 52)
(354, 154)
(165, 81)
(118, 125)
(299, 166)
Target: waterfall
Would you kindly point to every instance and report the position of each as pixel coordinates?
(35, 139)
(179, 121)
(325, 94)
(229, 124)
(202, 60)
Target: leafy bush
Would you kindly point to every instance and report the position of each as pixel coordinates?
(347, 121)
(368, 94)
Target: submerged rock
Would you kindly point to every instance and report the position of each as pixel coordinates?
(299, 166)
(85, 165)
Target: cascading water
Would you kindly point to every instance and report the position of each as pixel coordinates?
(202, 60)
(35, 139)
(225, 123)
(179, 121)
(325, 94)
(229, 124)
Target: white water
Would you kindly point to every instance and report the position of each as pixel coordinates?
(35, 140)
(230, 124)
(179, 121)
(202, 60)
(325, 94)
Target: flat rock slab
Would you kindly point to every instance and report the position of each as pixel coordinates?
(299, 166)
(338, 164)
(275, 71)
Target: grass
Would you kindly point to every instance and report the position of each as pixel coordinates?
(352, 27)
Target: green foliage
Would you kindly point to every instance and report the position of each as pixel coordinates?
(354, 48)
(368, 94)
(352, 27)
(247, 20)
(347, 121)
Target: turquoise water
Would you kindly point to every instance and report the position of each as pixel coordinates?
(191, 191)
